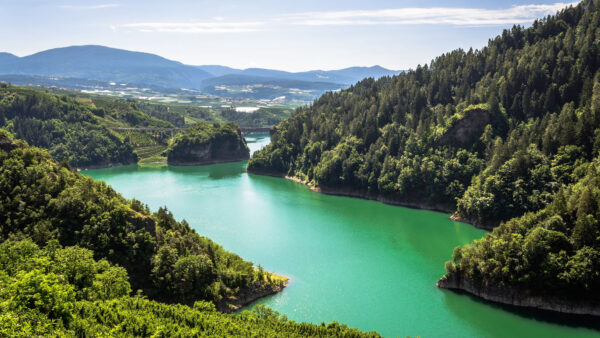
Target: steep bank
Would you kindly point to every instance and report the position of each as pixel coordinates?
(206, 143)
(363, 194)
(165, 259)
(519, 297)
(251, 293)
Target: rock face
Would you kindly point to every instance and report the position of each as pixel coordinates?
(206, 144)
(6, 143)
(516, 297)
(468, 129)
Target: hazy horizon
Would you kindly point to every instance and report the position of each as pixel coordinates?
(290, 36)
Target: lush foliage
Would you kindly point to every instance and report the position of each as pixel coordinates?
(69, 129)
(205, 142)
(491, 133)
(553, 251)
(56, 291)
(512, 130)
(165, 258)
(64, 238)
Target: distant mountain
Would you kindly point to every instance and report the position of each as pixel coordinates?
(110, 64)
(244, 79)
(345, 76)
(351, 75)
(7, 57)
(217, 70)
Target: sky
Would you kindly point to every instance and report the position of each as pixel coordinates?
(294, 35)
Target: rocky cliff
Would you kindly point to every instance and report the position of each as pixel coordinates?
(519, 297)
(208, 143)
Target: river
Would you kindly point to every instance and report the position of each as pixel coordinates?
(367, 264)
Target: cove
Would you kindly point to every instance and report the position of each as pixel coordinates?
(363, 263)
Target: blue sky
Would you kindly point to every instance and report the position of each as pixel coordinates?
(290, 35)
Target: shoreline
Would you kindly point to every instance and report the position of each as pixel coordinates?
(506, 296)
(250, 294)
(375, 197)
(103, 166)
(114, 165)
(245, 296)
(518, 298)
(192, 164)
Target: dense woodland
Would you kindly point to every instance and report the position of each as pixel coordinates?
(91, 130)
(69, 129)
(165, 258)
(493, 134)
(62, 291)
(73, 250)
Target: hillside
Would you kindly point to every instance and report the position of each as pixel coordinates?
(204, 143)
(489, 134)
(91, 67)
(108, 64)
(73, 252)
(346, 76)
(72, 131)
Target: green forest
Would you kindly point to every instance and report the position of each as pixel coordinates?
(90, 131)
(507, 135)
(69, 129)
(78, 259)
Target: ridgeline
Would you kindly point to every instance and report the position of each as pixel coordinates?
(507, 135)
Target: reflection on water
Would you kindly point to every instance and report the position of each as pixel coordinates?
(363, 263)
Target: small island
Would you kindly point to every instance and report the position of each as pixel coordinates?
(205, 143)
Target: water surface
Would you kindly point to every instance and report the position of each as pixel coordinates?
(363, 263)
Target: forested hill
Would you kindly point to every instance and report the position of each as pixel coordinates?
(74, 130)
(205, 143)
(490, 133)
(73, 253)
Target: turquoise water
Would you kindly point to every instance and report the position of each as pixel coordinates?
(363, 263)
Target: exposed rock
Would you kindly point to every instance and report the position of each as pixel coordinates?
(357, 193)
(476, 223)
(143, 222)
(519, 297)
(7, 144)
(468, 129)
(210, 153)
(206, 144)
(248, 295)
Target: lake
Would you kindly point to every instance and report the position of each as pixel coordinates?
(363, 263)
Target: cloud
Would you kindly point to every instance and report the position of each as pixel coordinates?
(100, 6)
(399, 16)
(435, 15)
(195, 27)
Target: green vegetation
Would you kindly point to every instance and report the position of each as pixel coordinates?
(95, 131)
(164, 258)
(555, 251)
(494, 134)
(72, 250)
(208, 143)
(203, 109)
(72, 131)
(63, 291)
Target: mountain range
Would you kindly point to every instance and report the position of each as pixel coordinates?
(92, 62)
